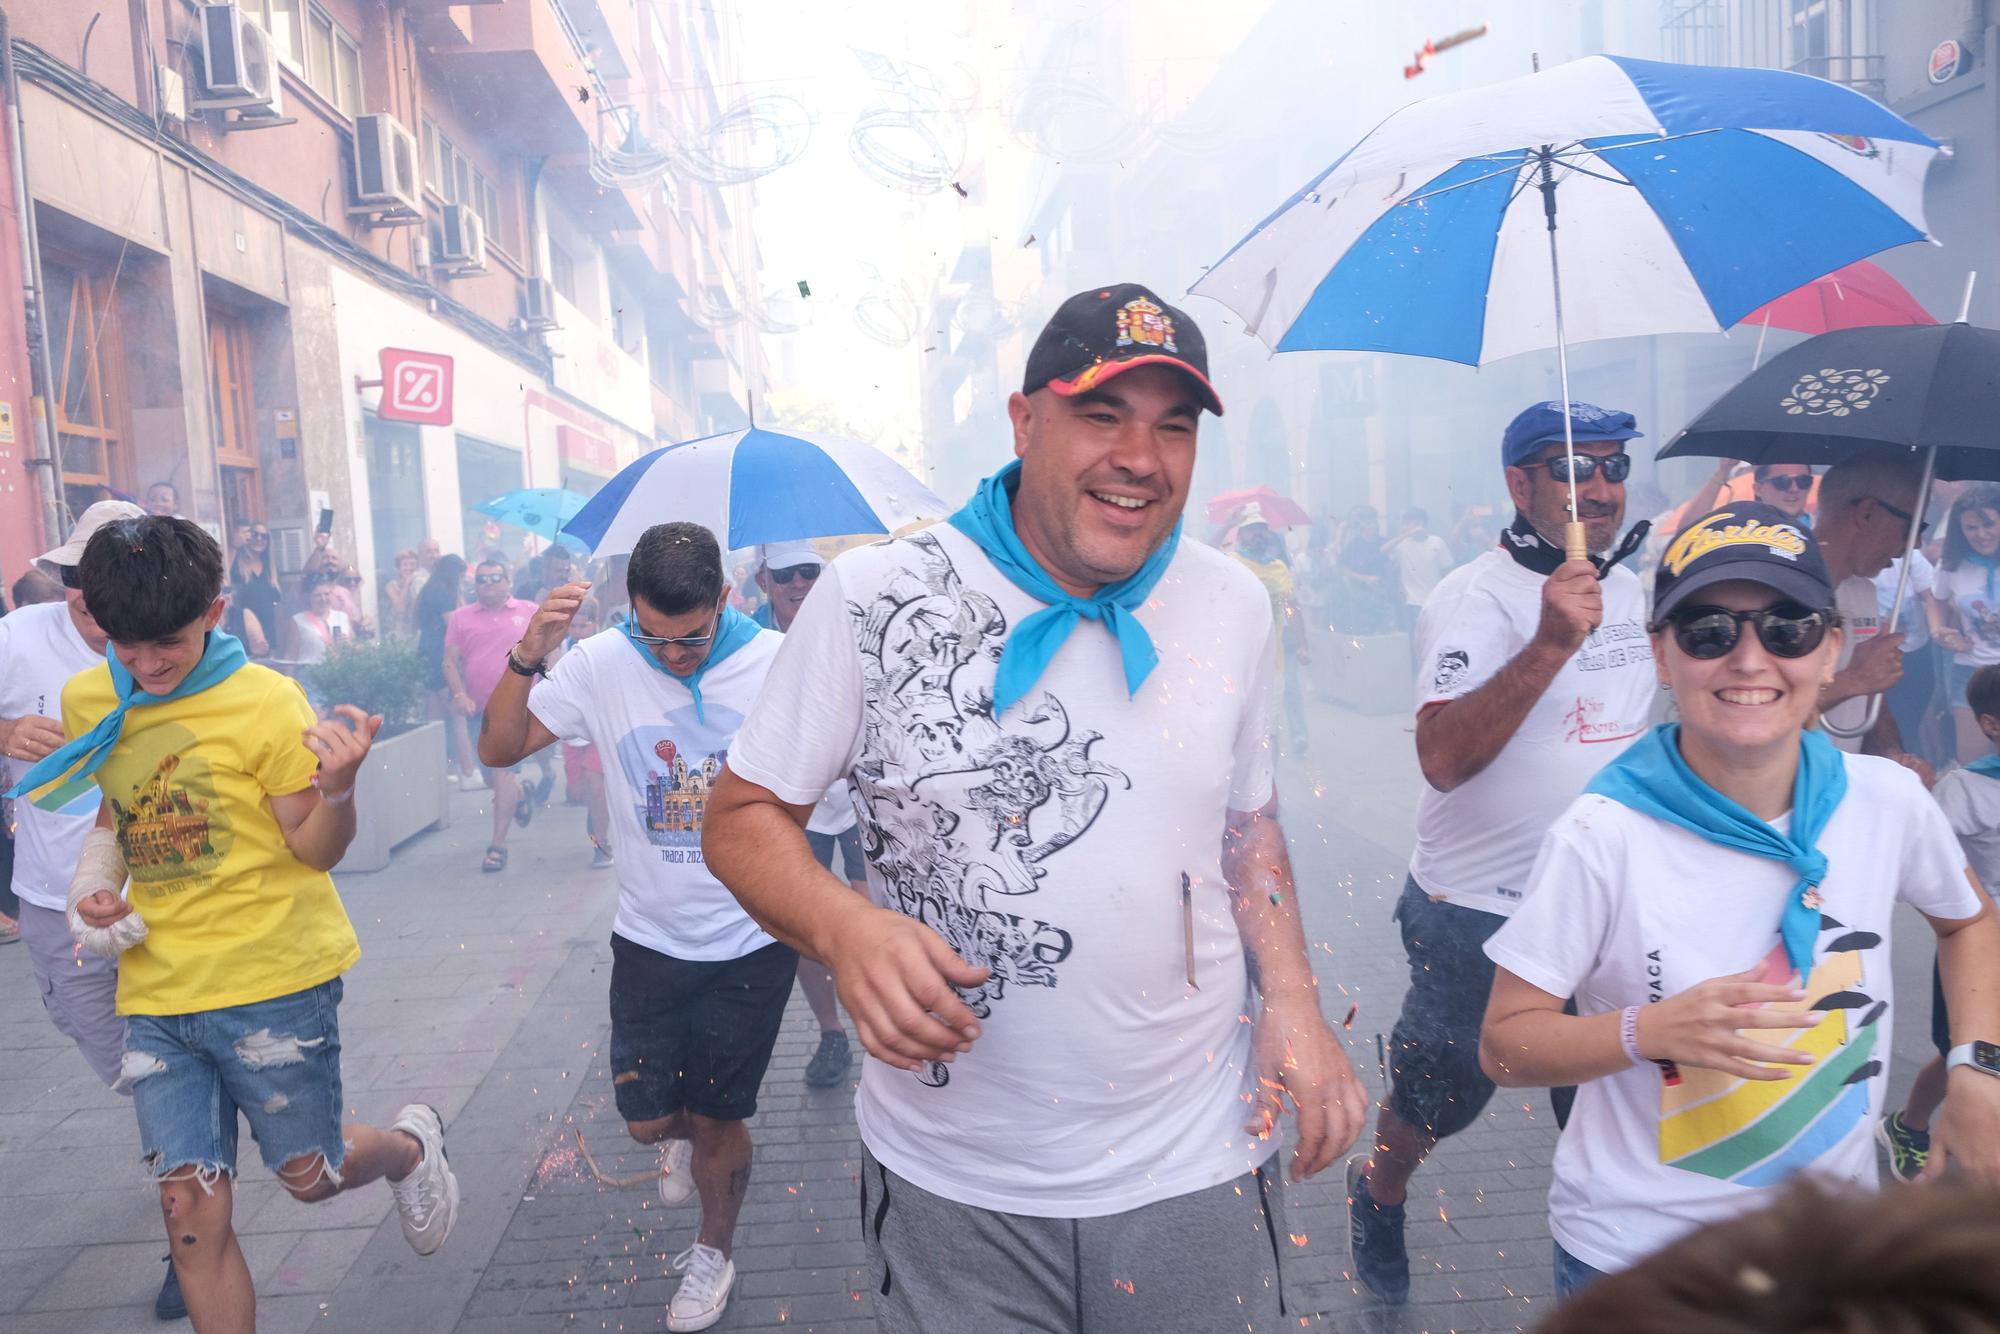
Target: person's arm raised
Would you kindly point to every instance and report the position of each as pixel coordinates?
(1458, 738)
(508, 732)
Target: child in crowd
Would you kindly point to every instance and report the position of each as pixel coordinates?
(225, 803)
(1970, 797)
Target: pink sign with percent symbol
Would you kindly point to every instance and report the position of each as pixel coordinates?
(416, 387)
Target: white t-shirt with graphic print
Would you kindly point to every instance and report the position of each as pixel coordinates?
(1047, 845)
(1624, 909)
(660, 763)
(1476, 842)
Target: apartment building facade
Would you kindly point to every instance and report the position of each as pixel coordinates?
(223, 216)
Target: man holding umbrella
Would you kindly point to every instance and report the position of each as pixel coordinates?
(1056, 714)
(1534, 671)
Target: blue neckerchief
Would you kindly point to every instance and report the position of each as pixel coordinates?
(1986, 766)
(1653, 779)
(732, 632)
(988, 519)
(221, 655)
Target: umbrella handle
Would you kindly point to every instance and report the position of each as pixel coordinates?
(1576, 541)
(1860, 729)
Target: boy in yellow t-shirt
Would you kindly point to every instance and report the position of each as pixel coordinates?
(226, 803)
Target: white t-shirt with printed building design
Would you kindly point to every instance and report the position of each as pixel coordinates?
(1476, 842)
(1047, 845)
(1623, 909)
(660, 763)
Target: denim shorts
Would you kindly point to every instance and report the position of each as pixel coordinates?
(1436, 1085)
(848, 841)
(276, 1061)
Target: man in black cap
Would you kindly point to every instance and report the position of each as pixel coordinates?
(1533, 672)
(1056, 715)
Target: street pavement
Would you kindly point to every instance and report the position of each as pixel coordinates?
(484, 995)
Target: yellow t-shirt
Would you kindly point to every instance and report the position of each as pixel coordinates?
(231, 915)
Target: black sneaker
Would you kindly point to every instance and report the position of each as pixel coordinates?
(829, 1064)
(1375, 1239)
(170, 1305)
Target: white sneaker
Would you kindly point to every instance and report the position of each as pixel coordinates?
(677, 1181)
(704, 1293)
(428, 1197)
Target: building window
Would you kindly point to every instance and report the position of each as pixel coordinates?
(233, 398)
(452, 177)
(562, 272)
(83, 341)
(307, 39)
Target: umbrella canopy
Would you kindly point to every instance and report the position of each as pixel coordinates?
(1278, 511)
(541, 510)
(756, 486)
(1858, 295)
(1856, 391)
(1688, 197)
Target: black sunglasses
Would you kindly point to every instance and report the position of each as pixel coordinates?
(1923, 529)
(489, 578)
(1788, 630)
(69, 576)
(1790, 483)
(784, 576)
(260, 535)
(1617, 467)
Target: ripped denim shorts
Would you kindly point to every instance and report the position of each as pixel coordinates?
(276, 1061)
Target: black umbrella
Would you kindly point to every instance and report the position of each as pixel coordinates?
(1858, 391)
(1932, 390)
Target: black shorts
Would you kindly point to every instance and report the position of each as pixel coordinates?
(695, 1036)
(1940, 1016)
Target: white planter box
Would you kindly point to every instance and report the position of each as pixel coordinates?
(400, 794)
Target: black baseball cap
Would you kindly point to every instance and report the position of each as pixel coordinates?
(1105, 332)
(1755, 543)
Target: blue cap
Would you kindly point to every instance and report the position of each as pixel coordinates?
(1538, 425)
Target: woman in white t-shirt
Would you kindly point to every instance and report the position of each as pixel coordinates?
(1964, 602)
(1719, 903)
(322, 626)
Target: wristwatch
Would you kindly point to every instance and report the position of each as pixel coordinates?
(516, 666)
(1981, 1056)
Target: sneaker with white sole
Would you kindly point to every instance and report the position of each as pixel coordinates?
(704, 1294)
(677, 1173)
(428, 1197)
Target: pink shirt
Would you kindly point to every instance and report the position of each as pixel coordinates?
(482, 639)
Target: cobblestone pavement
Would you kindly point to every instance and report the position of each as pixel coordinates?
(485, 996)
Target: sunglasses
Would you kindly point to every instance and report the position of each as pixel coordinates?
(260, 535)
(1789, 483)
(785, 576)
(1922, 529)
(1617, 467)
(69, 576)
(489, 579)
(656, 641)
(1788, 630)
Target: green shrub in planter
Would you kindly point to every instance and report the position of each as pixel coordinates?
(380, 676)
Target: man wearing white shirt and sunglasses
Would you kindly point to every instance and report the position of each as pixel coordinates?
(698, 991)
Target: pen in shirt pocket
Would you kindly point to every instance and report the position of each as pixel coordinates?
(1187, 926)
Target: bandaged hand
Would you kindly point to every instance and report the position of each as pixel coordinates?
(99, 918)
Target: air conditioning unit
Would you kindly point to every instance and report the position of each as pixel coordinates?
(238, 67)
(538, 305)
(462, 240)
(385, 167)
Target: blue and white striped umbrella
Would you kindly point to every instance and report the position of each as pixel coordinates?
(1686, 197)
(756, 486)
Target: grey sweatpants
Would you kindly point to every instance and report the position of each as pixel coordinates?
(1194, 1264)
(79, 989)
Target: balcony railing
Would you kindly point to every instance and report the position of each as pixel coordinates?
(1861, 73)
